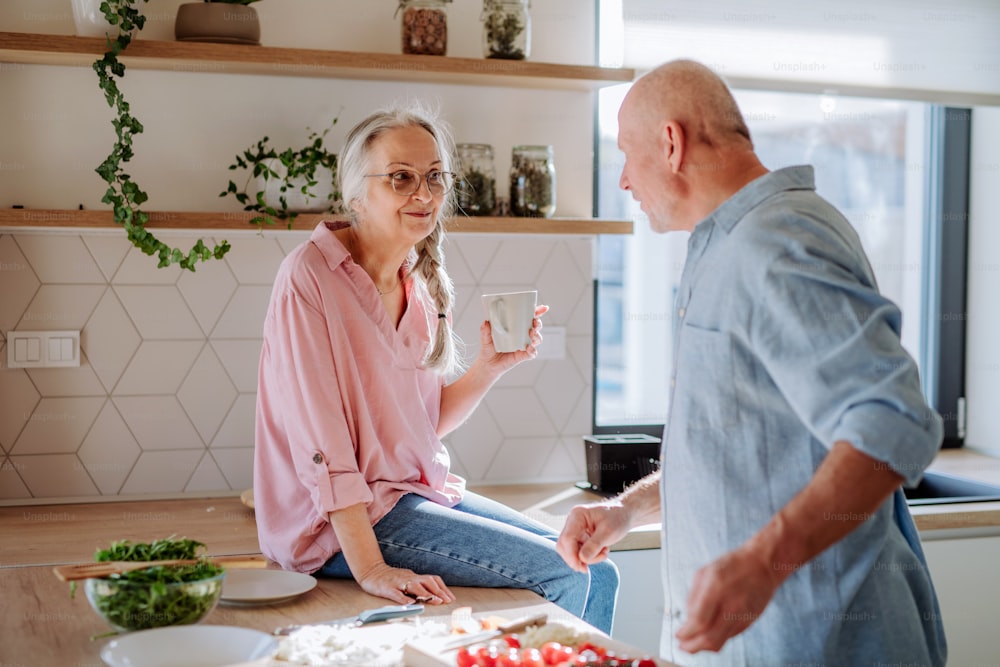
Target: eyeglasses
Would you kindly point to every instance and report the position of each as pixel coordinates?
(405, 182)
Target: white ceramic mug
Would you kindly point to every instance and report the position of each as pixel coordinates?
(510, 316)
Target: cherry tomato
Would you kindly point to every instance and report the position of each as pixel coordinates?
(565, 656)
(596, 648)
(549, 650)
(487, 656)
(465, 659)
(613, 659)
(509, 658)
(643, 662)
(532, 657)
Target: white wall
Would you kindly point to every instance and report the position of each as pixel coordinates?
(57, 125)
(941, 50)
(163, 402)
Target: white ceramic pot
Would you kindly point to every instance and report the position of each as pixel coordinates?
(318, 200)
(90, 21)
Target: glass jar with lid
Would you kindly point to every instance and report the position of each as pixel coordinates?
(532, 182)
(424, 26)
(476, 190)
(506, 29)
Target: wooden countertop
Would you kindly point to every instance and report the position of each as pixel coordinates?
(44, 626)
(549, 503)
(966, 463)
(50, 534)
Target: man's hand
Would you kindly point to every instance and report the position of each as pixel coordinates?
(591, 529)
(726, 596)
(589, 532)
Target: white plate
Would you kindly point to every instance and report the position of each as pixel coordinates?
(264, 586)
(189, 645)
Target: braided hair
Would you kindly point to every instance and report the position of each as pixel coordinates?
(426, 263)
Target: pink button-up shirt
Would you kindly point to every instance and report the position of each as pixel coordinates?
(346, 413)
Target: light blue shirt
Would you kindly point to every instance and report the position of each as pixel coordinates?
(782, 347)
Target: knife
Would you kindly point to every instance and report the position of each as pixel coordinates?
(480, 637)
(364, 618)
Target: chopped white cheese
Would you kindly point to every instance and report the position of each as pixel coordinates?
(340, 646)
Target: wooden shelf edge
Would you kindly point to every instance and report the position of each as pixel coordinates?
(240, 221)
(162, 55)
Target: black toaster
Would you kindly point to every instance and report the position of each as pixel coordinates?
(614, 461)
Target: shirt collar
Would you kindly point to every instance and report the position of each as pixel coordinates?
(756, 191)
(329, 246)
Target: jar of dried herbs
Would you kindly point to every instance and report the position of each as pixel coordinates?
(477, 186)
(425, 26)
(506, 29)
(532, 182)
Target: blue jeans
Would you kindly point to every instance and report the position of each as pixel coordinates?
(480, 542)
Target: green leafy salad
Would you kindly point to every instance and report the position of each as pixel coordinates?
(158, 595)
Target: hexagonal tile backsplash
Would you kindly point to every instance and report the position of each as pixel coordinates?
(163, 401)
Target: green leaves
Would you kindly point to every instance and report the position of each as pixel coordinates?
(302, 163)
(151, 597)
(123, 194)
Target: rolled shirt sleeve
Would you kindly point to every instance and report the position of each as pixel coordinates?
(303, 387)
(831, 343)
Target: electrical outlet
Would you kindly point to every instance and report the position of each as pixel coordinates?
(553, 343)
(43, 349)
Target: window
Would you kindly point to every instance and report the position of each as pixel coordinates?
(872, 162)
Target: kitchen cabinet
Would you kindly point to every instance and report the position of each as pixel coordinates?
(197, 58)
(964, 574)
(963, 570)
(639, 614)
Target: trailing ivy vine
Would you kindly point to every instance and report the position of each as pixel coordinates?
(123, 194)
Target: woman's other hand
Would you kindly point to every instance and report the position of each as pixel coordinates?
(405, 586)
(500, 362)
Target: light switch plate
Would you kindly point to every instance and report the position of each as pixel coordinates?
(43, 349)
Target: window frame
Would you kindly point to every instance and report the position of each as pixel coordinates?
(945, 252)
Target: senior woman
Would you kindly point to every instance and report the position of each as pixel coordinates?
(351, 478)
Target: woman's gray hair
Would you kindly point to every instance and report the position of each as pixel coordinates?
(355, 158)
(426, 264)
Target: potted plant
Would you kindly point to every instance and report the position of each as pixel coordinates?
(223, 21)
(90, 20)
(288, 183)
(123, 194)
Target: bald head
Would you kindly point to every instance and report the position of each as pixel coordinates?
(687, 148)
(692, 95)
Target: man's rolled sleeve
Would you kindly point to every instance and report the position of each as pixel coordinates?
(831, 344)
(897, 441)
